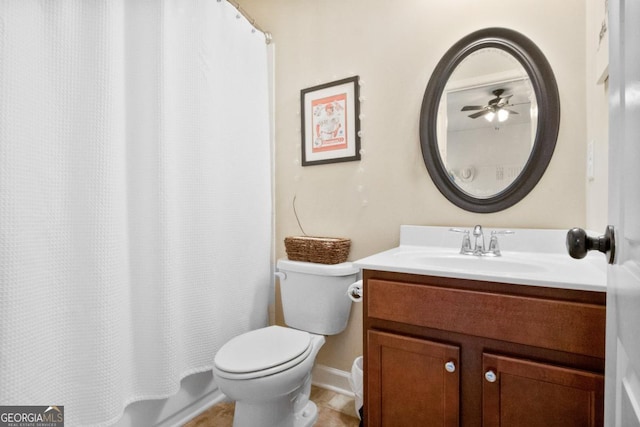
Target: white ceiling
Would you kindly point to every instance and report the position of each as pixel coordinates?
(520, 102)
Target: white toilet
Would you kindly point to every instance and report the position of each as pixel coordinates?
(268, 371)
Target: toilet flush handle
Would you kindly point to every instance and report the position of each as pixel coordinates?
(280, 275)
(354, 291)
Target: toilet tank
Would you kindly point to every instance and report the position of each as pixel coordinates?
(314, 296)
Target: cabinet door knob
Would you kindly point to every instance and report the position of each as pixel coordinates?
(490, 376)
(450, 366)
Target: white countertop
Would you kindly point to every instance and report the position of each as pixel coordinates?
(529, 257)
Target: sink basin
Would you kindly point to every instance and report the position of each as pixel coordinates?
(470, 263)
(434, 258)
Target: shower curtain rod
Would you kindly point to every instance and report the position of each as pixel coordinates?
(267, 35)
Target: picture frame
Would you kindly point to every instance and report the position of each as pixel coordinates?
(330, 116)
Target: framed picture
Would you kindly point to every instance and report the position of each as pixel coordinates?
(330, 122)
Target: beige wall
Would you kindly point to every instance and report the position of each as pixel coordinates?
(394, 47)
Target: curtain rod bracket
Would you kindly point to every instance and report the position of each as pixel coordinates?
(267, 35)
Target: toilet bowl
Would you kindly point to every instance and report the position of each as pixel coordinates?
(268, 371)
(268, 391)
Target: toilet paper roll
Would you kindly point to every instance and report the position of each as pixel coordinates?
(354, 291)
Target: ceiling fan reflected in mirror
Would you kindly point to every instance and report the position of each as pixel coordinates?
(496, 107)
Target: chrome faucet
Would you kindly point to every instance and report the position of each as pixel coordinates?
(478, 244)
(478, 249)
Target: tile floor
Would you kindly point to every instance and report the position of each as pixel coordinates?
(334, 410)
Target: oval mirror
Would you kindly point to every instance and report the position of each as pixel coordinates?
(489, 121)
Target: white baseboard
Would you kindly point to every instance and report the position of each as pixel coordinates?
(196, 408)
(332, 379)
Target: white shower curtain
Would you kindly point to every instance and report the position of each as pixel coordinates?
(135, 197)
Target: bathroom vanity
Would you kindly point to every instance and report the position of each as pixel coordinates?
(451, 339)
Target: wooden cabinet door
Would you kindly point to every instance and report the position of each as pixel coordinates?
(521, 393)
(411, 382)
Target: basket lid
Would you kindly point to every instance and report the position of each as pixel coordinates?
(342, 269)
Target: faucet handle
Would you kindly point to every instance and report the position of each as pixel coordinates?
(466, 240)
(494, 248)
(466, 244)
(494, 232)
(459, 230)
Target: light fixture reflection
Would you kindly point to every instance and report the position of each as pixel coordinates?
(503, 115)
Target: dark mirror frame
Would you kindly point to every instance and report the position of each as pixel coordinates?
(546, 92)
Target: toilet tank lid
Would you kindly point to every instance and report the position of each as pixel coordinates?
(342, 269)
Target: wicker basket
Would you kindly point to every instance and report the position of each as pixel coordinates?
(322, 250)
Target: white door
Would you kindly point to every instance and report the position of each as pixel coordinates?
(622, 385)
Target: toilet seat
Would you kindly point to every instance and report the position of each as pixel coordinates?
(262, 352)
